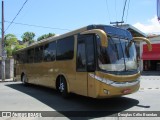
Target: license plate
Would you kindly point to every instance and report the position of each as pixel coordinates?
(126, 91)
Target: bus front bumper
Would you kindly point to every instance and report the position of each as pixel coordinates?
(107, 85)
(114, 89)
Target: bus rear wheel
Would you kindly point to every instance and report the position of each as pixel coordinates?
(63, 87)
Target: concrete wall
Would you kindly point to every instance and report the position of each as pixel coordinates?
(9, 68)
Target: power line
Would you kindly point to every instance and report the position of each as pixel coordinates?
(16, 15)
(108, 10)
(127, 10)
(38, 26)
(124, 9)
(18, 35)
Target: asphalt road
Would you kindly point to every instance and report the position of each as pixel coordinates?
(16, 97)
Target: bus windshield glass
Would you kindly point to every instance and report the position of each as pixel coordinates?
(120, 55)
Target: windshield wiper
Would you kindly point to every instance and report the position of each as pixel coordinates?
(127, 48)
(115, 47)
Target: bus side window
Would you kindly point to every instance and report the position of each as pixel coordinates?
(30, 55)
(65, 48)
(81, 56)
(86, 54)
(25, 56)
(90, 51)
(22, 57)
(17, 58)
(38, 54)
(49, 52)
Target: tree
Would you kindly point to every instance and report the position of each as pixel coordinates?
(10, 39)
(11, 44)
(17, 47)
(45, 36)
(28, 37)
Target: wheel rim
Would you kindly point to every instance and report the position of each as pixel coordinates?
(61, 85)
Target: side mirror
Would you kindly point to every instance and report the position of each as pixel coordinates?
(100, 33)
(139, 39)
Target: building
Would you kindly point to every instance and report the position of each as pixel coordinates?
(134, 31)
(147, 60)
(150, 60)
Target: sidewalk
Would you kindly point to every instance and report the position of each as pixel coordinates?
(151, 77)
(7, 80)
(150, 73)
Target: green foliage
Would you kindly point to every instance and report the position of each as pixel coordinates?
(17, 47)
(9, 51)
(10, 39)
(28, 37)
(11, 44)
(45, 36)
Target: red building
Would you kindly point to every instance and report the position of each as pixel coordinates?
(150, 60)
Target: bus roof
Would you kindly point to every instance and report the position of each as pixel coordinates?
(53, 38)
(109, 29)
(113, 31)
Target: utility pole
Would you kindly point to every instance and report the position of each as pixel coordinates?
(3, 51)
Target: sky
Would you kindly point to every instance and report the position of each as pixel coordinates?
(67, 15)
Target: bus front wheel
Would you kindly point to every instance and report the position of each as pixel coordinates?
(63, 87)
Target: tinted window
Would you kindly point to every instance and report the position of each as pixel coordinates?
(17, 58)
(85, 54)
(30, 56)
(65, 48)
(50, 51)
(38, 57)
(23, 57)
(90, 53)
(20, 57)
(81, 56)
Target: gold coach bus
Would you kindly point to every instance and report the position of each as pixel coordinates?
(97, 61)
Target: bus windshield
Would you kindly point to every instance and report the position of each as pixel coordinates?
(120, 55)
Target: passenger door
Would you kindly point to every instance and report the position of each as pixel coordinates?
(85, 63)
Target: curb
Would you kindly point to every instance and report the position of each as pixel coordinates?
(6, 80)
(156, 88)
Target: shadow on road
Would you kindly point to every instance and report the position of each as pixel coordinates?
(76, 105)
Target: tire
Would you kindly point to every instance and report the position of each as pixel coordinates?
(63, 87)
(24, 80)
